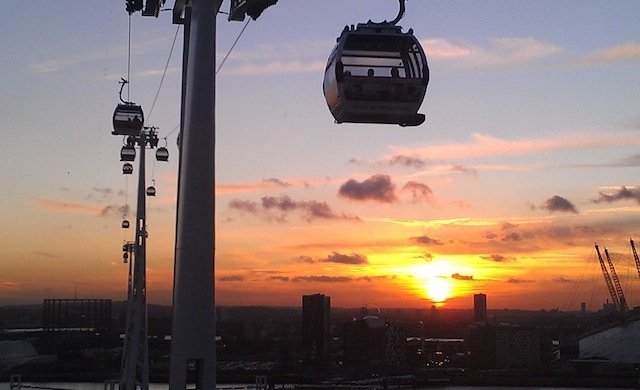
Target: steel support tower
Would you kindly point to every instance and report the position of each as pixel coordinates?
(135, 354)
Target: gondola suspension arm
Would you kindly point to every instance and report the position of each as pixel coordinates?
(400, 13)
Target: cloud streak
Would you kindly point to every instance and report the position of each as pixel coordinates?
(278, 208)
(500, 52)
(629, 51)
(623, 193)
(68, 207)
(489, 146)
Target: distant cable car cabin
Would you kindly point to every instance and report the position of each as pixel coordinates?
(127, 169)
(125, 224)
(151, 191)
(128, 119)
(127, 153)
(377, 74)
(162, 154)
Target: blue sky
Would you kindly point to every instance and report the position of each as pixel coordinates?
(528, 155)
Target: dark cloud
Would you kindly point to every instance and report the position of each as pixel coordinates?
(314, 209)
(457, 276)
(419, 191)
(507, 225)
(339, 258)
(231, 278)
(374, 278)
(378, 188)
(498, 258)
(562, 279)
(518, 281)
(631, 161)
(105, 191)
(462, 169)
(244, 206)
(282, 203)
(490, 235)
(322, 279)
(277, 182)
(279, 278)
(115, 209)
(584, 229)
(356, 161)
(305, 259)
(513, 236)
(560, 204)
(46, 254)
(624, 193)
(424, 240)
(276, 208)
(407, 161)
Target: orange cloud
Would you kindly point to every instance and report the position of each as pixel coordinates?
(499, 52)
(62, 206)
(625, 52)
(485, 145)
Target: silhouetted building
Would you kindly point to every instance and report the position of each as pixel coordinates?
(373, 343)
(480, 307)
(481, 341)
(73, 323)
(77, 315)
(518, 347)
(504, 346)
(316, 322)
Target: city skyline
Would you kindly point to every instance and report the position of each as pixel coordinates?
(528, 157)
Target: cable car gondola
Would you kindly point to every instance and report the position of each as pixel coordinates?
(128, 118)
(127, 153)
(151, 191)
(162, 154)
(127, 169)
(377, 74)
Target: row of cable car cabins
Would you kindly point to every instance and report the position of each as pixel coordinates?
(128, 121)
(374, 74)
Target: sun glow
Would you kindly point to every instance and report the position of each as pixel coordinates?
(433, 281)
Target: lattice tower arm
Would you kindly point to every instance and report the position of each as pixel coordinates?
(607, 278)
(635, 256)
(623, 308)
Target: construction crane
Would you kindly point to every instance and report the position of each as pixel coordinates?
(623, 309)
(607, 278)
(635, 256)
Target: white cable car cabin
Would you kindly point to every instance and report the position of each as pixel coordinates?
(128, 119)
(376, 74)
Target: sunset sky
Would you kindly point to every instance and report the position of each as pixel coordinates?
(530, 154)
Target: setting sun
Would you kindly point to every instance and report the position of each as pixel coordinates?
(433, 281)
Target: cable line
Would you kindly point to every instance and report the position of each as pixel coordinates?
(234, 45)
(166, 66)
(129, 59)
